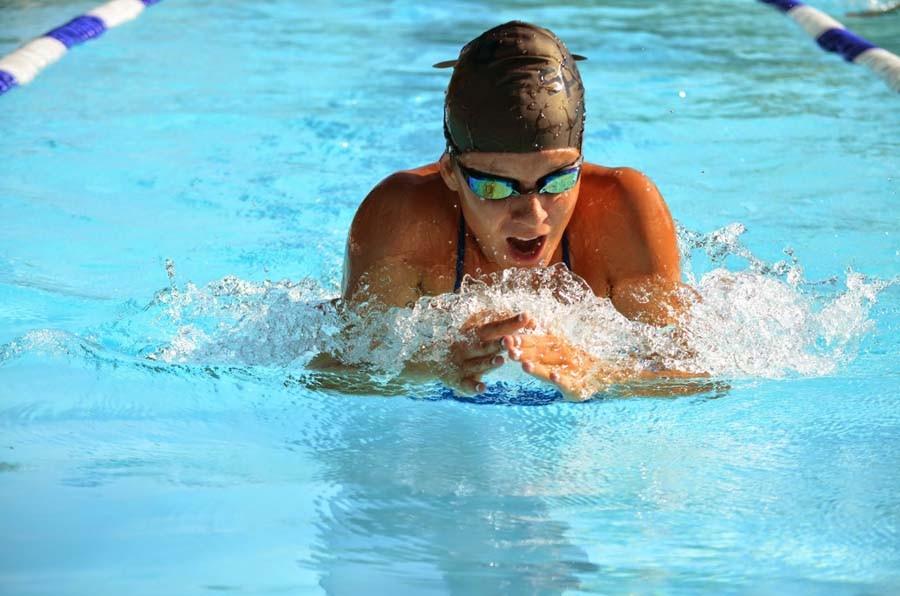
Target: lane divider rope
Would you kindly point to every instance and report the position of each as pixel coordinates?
(22, 65)
(832, 36)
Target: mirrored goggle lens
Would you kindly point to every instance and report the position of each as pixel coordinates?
(487, 188)
(561, 182)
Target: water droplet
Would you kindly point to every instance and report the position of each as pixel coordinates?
(170, 271)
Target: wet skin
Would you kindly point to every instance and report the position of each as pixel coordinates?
(402, 245)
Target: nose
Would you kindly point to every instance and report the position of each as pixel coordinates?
(528, 209)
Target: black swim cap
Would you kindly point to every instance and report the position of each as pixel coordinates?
(515, 88)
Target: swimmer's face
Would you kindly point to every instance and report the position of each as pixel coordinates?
(522, 230)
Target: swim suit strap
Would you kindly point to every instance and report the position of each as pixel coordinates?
(565, 247)
(461, 252)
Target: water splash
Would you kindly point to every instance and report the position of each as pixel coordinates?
(762, 320)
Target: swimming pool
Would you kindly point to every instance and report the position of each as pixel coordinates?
(155, 438)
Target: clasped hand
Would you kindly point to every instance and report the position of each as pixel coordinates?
(547, 357)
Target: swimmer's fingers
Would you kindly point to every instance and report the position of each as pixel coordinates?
(471, 371)
(546, 349)
(571, 383)
(484, 340)
(541, 348)
(541, 371)
(476, 349)
(669, 373)
(467, 379)
(495, 330)
(479, 366)
(552, 359)
(557, 375)
(470, 386)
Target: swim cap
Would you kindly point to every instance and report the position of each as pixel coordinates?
(515, 88)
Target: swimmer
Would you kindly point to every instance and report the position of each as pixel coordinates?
(512, 189)
(876, 11)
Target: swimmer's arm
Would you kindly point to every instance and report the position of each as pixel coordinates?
(645, 273)
(382, 260)
(391, 281)
(325, 372)
(647, 287)
(473, 356)
(377, 270)
(399, 238)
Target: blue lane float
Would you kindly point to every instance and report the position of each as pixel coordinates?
(833, 37)
(21, 66)
(78, 30)
(7, 82)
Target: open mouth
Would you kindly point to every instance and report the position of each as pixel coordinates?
(526, 248)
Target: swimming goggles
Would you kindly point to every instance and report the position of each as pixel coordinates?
(492, 187)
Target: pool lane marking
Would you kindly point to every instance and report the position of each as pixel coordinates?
(832, 36)
(22, 65)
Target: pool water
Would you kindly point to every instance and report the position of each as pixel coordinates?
(176, 196)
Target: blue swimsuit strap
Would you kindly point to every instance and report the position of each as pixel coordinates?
(565, 247)
(461, 252)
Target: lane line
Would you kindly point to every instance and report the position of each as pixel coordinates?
(22, 65)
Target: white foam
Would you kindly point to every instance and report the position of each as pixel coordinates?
(759, 322)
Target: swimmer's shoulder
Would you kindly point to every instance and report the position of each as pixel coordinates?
(622, 220)
(403, 229)
(621, 189)
(404, 212)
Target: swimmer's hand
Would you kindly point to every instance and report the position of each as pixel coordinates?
(579, 375)
(480, 352)
(550, 358)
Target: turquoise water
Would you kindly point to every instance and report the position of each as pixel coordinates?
(156, 435)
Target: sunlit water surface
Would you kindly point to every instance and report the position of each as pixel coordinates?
(176, 198)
